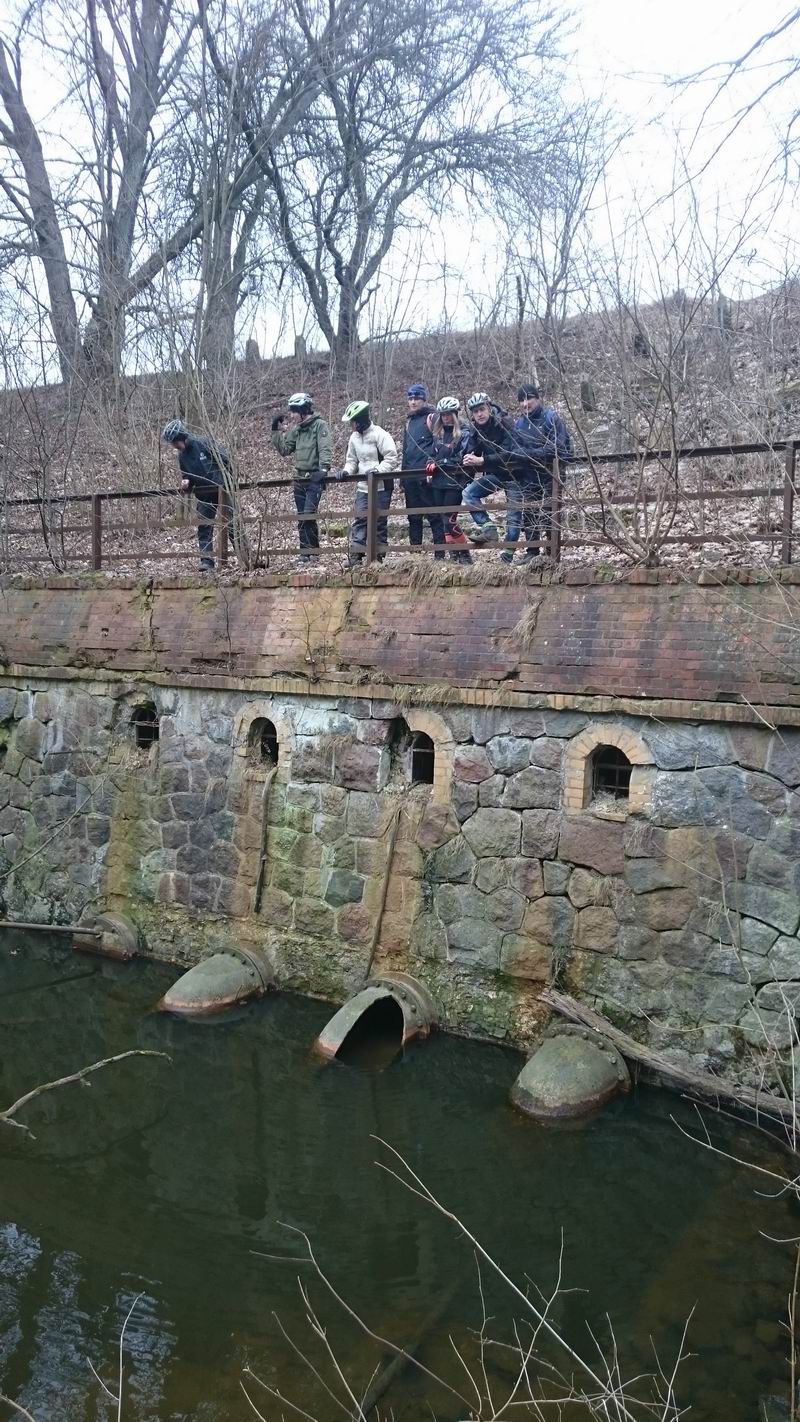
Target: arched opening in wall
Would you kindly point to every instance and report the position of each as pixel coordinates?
(422, 759)
(398, 744)
(376, 1037)
(611, 774)
(144, 725)
(262, 741)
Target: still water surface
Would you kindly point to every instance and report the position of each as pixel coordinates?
(172, 1180)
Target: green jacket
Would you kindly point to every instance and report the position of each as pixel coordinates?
(311, 445)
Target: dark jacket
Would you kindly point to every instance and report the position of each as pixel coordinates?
(497, 445)
(417, 440)
(448, 455)
(541, 436)
(199, 464)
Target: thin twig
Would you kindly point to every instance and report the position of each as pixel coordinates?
(67, 1080)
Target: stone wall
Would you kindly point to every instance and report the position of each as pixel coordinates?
(675, 911)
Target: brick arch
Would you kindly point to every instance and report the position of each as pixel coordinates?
(577, 767)
(265, 710)
(437, 728)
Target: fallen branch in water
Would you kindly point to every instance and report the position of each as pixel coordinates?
(713, 1088)
(23, 1412)
(81, 1075)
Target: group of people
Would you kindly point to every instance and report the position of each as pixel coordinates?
(455, 462)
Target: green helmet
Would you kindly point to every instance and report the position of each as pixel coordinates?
(354, 410)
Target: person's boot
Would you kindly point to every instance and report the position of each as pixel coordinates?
(463, 557)
(485, 533)
(531, 555)
(507, 555)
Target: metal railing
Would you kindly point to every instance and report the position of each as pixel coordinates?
(570, 517)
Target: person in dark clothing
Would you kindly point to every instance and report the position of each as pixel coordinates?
(445, 473)
(494, 457)
(201, 462)
(542, 438)
(417, 443)
(310, 444)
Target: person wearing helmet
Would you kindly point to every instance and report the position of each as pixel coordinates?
(310, 445)
(417, 445)
(202, 463)
(370, 450)
(494, 458)
(450, 442)
(542, 437)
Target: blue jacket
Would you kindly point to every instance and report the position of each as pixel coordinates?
(198, 463)
(417, 440)
(541, 436)
(498, 446)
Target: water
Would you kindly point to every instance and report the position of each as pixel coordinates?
(172, 1180)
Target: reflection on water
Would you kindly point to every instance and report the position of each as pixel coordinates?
(175, 1181)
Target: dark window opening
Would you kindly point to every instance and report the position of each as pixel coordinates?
(376, 1036)
(144, 724)
(263, 741)
(611, 773)
(422, 759)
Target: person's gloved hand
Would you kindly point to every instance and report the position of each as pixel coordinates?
(277, 421)
(340, 474)
(371, 471)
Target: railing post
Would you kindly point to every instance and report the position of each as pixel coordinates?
(97, 532)
(372, 518)
(788, 500)
(222, 532)
(555, 513)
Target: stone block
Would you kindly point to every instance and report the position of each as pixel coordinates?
(596, 930)
(637, 942)
(313, 917)
(665, 908)
(289, 878)
(359, 767)
(505, 909)
(525, 875)
(490, 792)
(779, 997)
(767, 866)
(98, 829)
(564, 723)
(464, 799)
(492, 874)
(548, 754)
(772, 906)
(226, 860)
(540, 832)
(783, 756)
(29, 738)
(755, 937)
(438, 824)
(593, 843)
(764, 1029)
(533, 789)
(344, 888)
(306, 851)
(203, 891)
(508, 753)
(523, 957)
(332, 799)
(783, 958)
(453, 901)
(174, 834)
(354, 924)
(645, 875)
(472, 764)
(550, 920)
(385, 710)
(8, 703)
(408, 860)
(676, 747)
(201, 834)
(453, 863)
(588, 888)
(686, 949)
(368, 815)
(428, 937)
(312, 759)
(328, 828)
(472, 940)
(174, 778)
(493, 833)
(725, 796)
(280, 842)
(187, 806)
(556, 876)
(370, 857)
(358, 706)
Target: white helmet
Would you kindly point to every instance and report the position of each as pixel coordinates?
(479, 398)
(448, 405)
(299, 401)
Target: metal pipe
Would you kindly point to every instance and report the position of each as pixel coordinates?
(51, 927)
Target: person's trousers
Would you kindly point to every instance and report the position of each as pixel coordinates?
(206, 509)
(489, 484)
(358, 534)
(442, 496)
(307, 494)
(537, 521)
(418, 494)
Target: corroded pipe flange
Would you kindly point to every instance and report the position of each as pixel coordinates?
(415, 1002)
(224, 980)
(572, 1072)
(110, 935)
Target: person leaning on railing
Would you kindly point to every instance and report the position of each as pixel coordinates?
(370, 450)
(541, 435)
(202, 463)
(450, 441)
(417, 447)
(310, 445)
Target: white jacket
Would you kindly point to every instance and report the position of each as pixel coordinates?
(374, 449)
